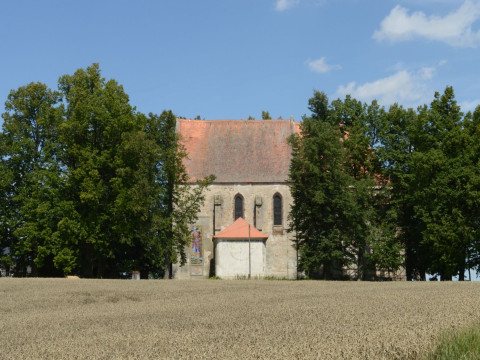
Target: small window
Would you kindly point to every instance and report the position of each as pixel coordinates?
(238, 206)
(277, 209)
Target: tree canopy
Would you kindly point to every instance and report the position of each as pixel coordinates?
(341, 211)
(379, 189)
(89, 185)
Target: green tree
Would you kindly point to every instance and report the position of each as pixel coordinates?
(473, 129)
(99, 124)
(447, 195)
(318, 185)
(399, 135)
(430, 158)
(135, 211)
(179, 200)
(369, 226)
(341, 206)
(266, 115)
(31, 177)
(91, 186)
(6, 206)
(318, 104)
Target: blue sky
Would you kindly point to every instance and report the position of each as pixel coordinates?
(231, 59)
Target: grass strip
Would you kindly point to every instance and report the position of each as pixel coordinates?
(462, 344)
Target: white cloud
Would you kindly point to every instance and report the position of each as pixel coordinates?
(320, 65)
(408, 88)
(454, 28)
(426, 73)
(469, 105)
(282, 5)
(399, 87)
(431, 2)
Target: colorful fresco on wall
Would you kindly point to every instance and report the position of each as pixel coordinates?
(196, 257)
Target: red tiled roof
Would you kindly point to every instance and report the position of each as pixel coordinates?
(239, 230)
(237, 151)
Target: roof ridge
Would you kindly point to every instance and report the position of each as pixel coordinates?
(250, 121)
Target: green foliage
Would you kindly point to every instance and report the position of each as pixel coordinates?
(431, 157)
(341, 211)
(89, 185)
(276, 278)
(444, 171)
(96, 135)
(318, 105)
(317, 185)
(408, 180)
(398, 134)
(266, 115)
(179, 202)
(32, 179)
(461, 344)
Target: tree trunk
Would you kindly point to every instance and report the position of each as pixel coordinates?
(168, 268)
(462, 266)
(409, 267)
(445, 277)
(144, 274)
(100, 268)
(423, 275)
(360, 265)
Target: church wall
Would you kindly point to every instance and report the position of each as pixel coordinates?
(280, 255)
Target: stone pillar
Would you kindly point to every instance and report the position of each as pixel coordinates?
(258, 212)
(217, 212)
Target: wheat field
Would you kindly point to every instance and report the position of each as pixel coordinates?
(148, 319)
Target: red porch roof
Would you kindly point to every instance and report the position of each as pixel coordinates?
(239, 230)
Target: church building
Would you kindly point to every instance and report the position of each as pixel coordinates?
(242, 227)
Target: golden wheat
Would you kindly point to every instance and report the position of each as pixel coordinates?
(105, 319)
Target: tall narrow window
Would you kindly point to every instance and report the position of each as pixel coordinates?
(277, 209)
(238, 206)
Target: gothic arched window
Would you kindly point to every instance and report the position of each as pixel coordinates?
(277, 209)
(238, 209)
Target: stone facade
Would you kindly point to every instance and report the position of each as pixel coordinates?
(250, 159)
(218, 210)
